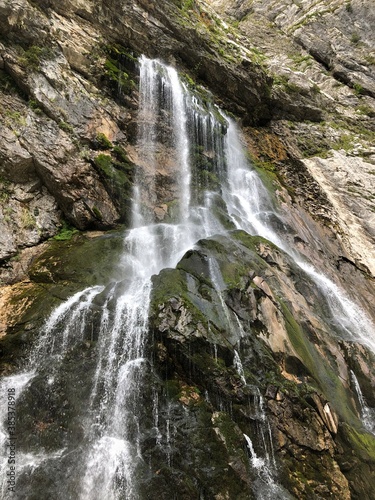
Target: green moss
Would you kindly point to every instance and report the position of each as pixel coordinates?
(103, 141)
(120, 154)
(33, 104)
(319, 367)
(268, 174)
(120, 62)
(117, 176)
(172, 388)
(81, 261)
(104, 162)
(363, 442)
(280, 80)
(97, 213)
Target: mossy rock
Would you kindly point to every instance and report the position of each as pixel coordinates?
(63, 269)
(117, 173)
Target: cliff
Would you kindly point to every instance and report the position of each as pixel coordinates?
(247, 345)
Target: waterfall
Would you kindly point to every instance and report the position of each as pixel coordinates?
(251, 209)
(210, 166)
(115, 452)
(367, 413)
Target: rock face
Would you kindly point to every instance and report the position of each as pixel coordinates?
(253, 387)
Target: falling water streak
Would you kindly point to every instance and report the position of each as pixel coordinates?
(15, 384)
(264, 430)
(181, 141)
(74, 310)
(239, 367)
(64, 317)
(219, 285)
(346, 315)
(265, 487)
(367, 413)
(155, 412)
(147, 120)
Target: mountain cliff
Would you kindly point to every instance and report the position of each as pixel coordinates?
(258, 374)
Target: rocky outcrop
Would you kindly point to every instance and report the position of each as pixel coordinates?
(263, 319)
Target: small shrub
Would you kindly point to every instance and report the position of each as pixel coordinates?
(65, 126)
(35, 106)
(33, 56)
(355, 38)
(358, 89)
(363, 109)
(16, 117)
(370, 60)
(27, 219)
(345, 142)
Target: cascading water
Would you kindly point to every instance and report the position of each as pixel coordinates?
(367, 413)
(251, 209)
(211, 167)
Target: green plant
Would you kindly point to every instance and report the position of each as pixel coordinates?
(65, 126)
(370, 60)
(27, 219)
(35, 106)
(33, 56)
(97, 213)
(66, 232)
(16, 116)
(345, 142)
(358, 89)
(188, 5)
(84, 153)
(349, 7)
(7, 211)
(364, 109)
(300, 59)
(7, 84)
(119, 59)
(355, 38)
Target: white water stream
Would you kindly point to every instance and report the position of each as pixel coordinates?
(110, 456)
(367, 413)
